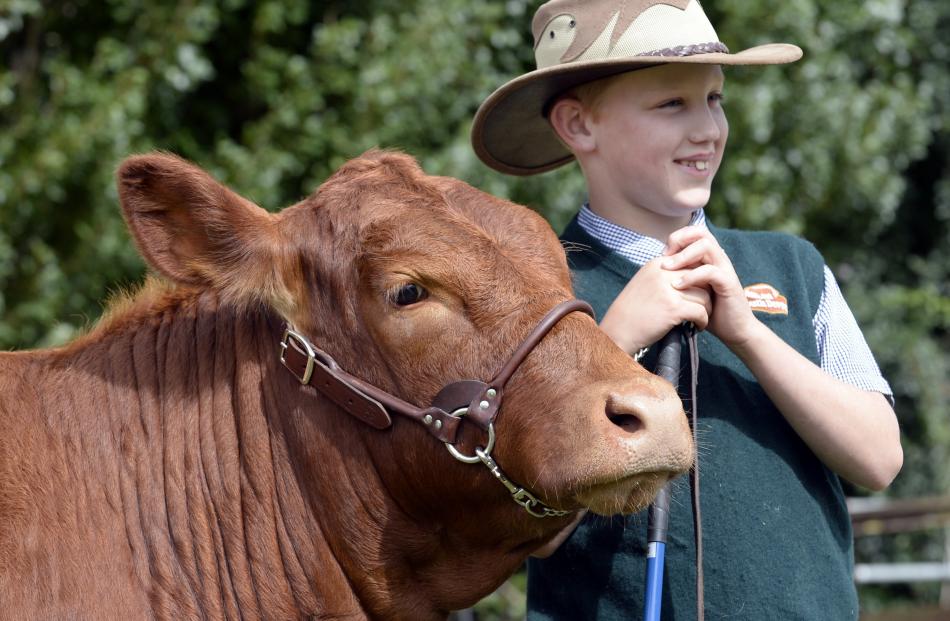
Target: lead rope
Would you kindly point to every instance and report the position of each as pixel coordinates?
(694, 475)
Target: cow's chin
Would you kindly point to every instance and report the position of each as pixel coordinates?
(627, 495)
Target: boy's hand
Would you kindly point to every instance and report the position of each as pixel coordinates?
(694, 254)
(853, 431)
(649, 306)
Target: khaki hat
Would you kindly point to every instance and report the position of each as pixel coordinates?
(579, 41)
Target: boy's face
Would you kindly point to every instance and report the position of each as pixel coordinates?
(659, 136)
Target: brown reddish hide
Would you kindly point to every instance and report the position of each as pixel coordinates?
(166, 465)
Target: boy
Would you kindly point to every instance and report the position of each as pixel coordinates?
(790, 396)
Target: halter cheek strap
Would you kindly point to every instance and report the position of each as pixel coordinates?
(474, 400)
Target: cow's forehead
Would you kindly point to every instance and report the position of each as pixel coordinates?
(383, 209)
(456, 239)
(464, 221)
(509, 223)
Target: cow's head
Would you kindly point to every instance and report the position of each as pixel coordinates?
(411, 282)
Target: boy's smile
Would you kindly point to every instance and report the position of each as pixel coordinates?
(700, 164)
(657, 140)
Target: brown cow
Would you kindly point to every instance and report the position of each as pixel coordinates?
(167, 465)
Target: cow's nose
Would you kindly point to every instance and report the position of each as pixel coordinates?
(626, 412)
(644, 427)
(635, 412)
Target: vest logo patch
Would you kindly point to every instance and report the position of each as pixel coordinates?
(766, 298)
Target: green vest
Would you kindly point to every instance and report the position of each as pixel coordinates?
(777, 538)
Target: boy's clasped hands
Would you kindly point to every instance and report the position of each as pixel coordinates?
(692, 281)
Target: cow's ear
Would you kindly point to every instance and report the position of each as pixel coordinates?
(194, 230)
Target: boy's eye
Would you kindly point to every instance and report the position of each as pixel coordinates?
(673, 103)
(717, 97)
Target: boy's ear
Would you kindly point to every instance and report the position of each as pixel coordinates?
(196, 231)
(570, 120)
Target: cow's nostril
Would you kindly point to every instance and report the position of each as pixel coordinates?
(626, 411)
(626, 421)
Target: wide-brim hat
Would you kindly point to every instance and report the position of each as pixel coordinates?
(579, 41)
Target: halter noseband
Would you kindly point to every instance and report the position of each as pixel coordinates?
(474, 400)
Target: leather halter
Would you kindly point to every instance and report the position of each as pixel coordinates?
(474, 400)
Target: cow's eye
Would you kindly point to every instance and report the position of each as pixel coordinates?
(409, 294)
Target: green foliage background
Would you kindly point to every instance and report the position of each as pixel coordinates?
(849, 147)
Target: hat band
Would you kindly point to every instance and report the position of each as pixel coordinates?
(689, 50)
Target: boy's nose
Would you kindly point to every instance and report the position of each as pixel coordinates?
(706, 126)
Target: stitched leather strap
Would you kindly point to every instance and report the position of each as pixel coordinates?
(482, 414)
(362, 400)
(316, 368)
(668, 367)
(472, 399)
(694, 475)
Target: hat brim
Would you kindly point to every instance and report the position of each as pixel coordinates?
(511, 134)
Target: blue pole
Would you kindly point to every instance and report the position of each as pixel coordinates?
(658, 519)
(658, 522)
(655, 559)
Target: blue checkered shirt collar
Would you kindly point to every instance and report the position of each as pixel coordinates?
(631, 245)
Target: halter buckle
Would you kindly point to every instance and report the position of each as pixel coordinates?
(298, 342)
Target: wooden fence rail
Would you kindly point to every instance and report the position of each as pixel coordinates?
(885, 516)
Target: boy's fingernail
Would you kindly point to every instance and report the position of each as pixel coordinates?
(678, 283)
(667, 263)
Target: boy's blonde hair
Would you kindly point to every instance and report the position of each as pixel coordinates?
(590, 94)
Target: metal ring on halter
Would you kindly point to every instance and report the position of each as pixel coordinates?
(472, 459)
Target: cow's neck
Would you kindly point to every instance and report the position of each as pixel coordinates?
(199, 503)
(238, 493)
